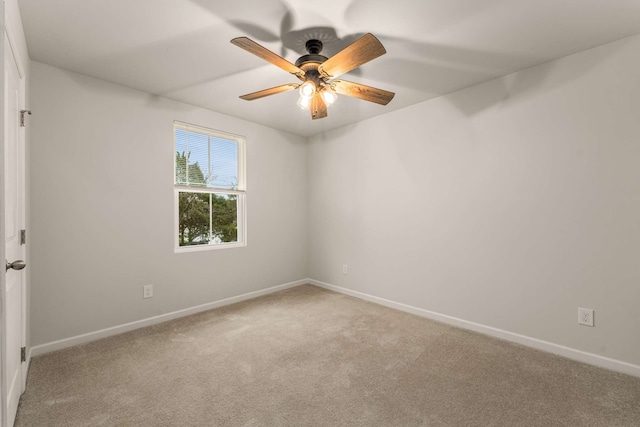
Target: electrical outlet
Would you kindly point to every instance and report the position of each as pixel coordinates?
(585, 316)
(345, 269)
(147, 291)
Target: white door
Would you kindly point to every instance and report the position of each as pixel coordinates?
(13, 291)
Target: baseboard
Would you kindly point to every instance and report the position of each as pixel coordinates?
(103, 333)
(570, 353)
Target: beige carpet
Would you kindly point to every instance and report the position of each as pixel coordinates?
(311, 357)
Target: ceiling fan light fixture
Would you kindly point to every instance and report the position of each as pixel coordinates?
(317, 72)
(304, 102)
(307, 89)
(329, 96)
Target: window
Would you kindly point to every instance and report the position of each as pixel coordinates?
(209, 188)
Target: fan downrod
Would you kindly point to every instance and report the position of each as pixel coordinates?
(314, 47)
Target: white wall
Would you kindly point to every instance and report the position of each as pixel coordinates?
(509, 204)
(102, 208)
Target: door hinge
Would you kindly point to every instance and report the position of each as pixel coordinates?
(22, 113)
(23, 237)
(23, 354)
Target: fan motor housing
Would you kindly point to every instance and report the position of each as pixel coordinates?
(311, 58)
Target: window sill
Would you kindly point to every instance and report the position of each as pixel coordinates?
(200, 248)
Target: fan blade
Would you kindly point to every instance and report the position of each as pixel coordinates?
(264, 53)
(361, 51)
(358, 90)
(270, 91)
(318, 107)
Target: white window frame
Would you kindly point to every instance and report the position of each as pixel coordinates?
(240, 192)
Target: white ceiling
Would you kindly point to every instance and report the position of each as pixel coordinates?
(180, 49)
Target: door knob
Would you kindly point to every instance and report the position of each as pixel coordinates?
(16, 265)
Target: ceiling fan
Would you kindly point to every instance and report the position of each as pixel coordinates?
(317, 73)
